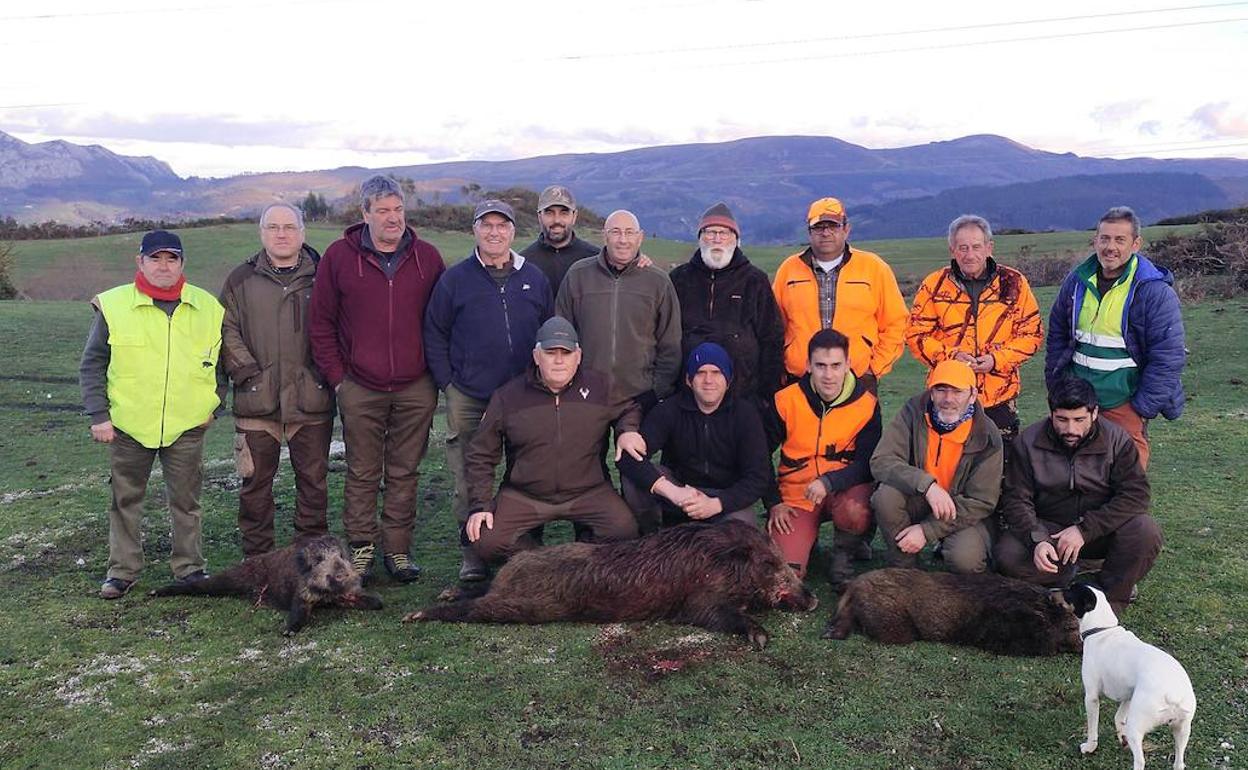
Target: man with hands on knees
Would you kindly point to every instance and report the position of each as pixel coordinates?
(553, 421)
(827, 425)
(1074, 489)
(939, 467)
(715, 460)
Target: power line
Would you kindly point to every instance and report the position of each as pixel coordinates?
(888, 34)
(974, 43)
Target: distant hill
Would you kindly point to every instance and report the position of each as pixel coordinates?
(768, 181)
(1066, 203)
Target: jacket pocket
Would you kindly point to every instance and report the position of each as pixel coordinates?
(314, 395)
(256, 397)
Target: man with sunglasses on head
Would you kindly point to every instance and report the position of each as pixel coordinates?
(831, 285)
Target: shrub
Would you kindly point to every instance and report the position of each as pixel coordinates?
(8, 289)
(1211, 262)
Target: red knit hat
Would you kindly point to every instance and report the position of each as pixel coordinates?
(721, 215)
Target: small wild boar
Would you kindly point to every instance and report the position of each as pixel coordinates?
(994, 613)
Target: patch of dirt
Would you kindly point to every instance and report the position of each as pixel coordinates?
(625, 653)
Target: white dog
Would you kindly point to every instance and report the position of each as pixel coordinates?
(1150, 686)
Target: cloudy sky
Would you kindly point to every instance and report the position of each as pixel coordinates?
(219, 87)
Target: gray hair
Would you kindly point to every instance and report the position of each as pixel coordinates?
(378, 187)
(1122, 214)
(969, 220)
(282, 205)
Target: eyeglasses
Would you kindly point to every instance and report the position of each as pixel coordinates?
(276, 228)
(616, 232)
(826, 228)
(716, 233)
(493, 228)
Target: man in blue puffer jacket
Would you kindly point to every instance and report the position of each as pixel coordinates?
(480, 328)
(1116, 323)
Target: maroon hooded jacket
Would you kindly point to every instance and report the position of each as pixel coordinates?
(366, 325)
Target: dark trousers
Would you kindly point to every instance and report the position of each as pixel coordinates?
(309, 458)
(1129, 553)
(1005, 416)
(600, 512)
(386, 435)
(130, 465)
(654, 511)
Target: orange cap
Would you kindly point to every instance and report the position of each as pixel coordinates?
(955, 374)
(825, 208)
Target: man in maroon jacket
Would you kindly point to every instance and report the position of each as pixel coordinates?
(365, 324)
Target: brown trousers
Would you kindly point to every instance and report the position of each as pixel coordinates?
(1129, 553)
(309, 458)
(1125, 417)
(463, 417)
(130, 464)
(600, 511)
(964, 551)
(386, 436)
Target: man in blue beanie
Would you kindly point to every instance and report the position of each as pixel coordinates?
(715, 462)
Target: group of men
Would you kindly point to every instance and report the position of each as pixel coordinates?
(701, 374)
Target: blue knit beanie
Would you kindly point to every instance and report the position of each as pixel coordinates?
(709, 353)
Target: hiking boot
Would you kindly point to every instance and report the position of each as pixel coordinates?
(193, 577)
(115, 588)
(841, 568)
(400, 567)
(472, 569)
(362, 560)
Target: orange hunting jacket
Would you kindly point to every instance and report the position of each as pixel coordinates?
(1006, 324)
(870, 311)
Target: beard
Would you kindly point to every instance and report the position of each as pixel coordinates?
(716, 257)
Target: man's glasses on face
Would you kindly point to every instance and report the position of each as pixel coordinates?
(826, 228)
(276, 228)
(716, 234)
(616, 232)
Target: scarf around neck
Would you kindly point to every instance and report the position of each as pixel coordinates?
(155, 292)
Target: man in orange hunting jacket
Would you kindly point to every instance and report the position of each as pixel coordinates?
(980, 312)
(833, 286)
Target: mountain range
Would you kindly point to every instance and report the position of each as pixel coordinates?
(767, 181)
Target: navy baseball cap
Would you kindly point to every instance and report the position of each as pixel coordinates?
(493, 207)
(160, 240)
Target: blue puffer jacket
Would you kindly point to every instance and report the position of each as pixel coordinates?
(1153, 329)
(479, 335)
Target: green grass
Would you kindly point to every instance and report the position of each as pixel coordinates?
(177, 683)
(79, 268)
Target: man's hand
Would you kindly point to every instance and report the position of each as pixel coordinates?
(911, 539)
(816, 491)
(644, 261)
(674, 493)
(1045, 557)
(473, 527)
(964, 357)
(780, 519)
(630, 442)
(103, 432)
(1069, 543)
(940, 501)
(699, 505)
(983, 364)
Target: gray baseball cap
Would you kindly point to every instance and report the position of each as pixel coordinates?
(493, 207)
(558, 332)
(555, 195)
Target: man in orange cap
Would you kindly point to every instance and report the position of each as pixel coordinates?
(939, 468)
(831, 285)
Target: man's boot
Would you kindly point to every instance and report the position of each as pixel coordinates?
(841, 568)
(472, 569)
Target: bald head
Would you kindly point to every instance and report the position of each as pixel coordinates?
(622, 235)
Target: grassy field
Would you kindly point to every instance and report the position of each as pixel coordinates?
(79, 268)
(168, 683)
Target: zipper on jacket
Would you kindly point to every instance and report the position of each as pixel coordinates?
(710, 310)
(615, 331)
(706, 442)
(164, 398)
(390, 324)
(502, 294)
(558, 441)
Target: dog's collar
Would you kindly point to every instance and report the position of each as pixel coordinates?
(1092, 631)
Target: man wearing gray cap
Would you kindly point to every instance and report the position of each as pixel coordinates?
(557, 247)
(479, 331)
(553, 421)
